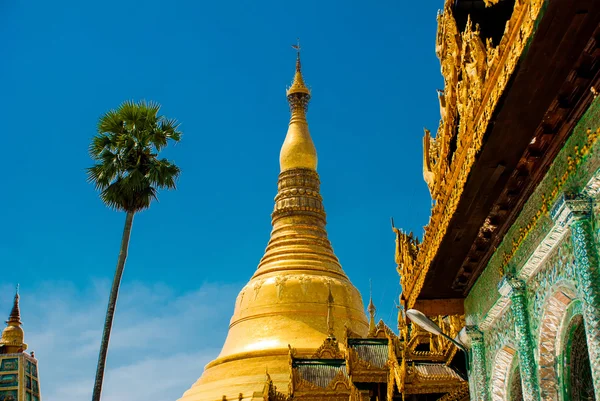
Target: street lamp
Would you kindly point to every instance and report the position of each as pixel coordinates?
(426, 323)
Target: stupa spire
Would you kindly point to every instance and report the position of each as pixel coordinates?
(13, 335)
(298, 150)
(298, 93)
(330, 323)
(15, 313)
(372, 310)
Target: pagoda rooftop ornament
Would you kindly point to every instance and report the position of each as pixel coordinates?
(298, 150)
(12, 340)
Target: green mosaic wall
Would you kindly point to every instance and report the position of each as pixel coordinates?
(534, 222)
(559, 267)
(572, 169)
(500, 335)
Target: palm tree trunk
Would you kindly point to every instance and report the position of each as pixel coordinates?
(112, 303)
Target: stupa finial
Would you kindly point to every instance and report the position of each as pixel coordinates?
(298, 93)
(13, 335)
(15, 313)
(330, 332)
(298, 150)
(371, 308)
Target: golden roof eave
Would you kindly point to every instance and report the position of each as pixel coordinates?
(489, 70)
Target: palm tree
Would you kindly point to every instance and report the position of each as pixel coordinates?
(128, 174)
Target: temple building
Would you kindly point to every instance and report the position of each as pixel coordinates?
(514, 172)
(19, 380)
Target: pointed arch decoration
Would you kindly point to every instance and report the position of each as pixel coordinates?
(515, 388)
(504, 363)
(576, 381)
(549, 346)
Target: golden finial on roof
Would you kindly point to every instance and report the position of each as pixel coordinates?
(13, 335)
(371, 308)
(298, 150)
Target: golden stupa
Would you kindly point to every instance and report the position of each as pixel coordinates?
(12, 339)
(299, 294)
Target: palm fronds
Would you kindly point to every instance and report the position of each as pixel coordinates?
(127, 170)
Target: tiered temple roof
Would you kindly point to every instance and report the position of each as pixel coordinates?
(381, 365)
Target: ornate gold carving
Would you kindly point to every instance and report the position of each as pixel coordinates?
(256, 288)
(459, 394)
(329, 350)
(475, 75)
(431, 154)
(407, 249)
(292, 351)
(397, 367)
(489, 3)
(301, 384)
(270, 392)
(383, 331)
(304, 283)
(396, 372)
(279, 284)
(349, 333)
(339, 388)
(356, 364)
(339, 383)
(298, 192)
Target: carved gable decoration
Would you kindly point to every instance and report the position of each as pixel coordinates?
(407, 249)
(329, 350)
(340, 382)
(383, 331)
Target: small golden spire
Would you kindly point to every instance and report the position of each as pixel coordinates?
(298, 94)
(12, 336)
(298, 150)
(330, 333)
(372, 310)
(15, 313)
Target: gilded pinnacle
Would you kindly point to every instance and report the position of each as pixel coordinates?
(298, 150)
(13, 335)
(371, 309)
(15, 313)
(330, 333)
(298, 90)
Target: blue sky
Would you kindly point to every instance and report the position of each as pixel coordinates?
(221, 69)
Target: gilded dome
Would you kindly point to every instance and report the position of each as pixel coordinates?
(12, 335)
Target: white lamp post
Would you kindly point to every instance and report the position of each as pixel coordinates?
(424, 322)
